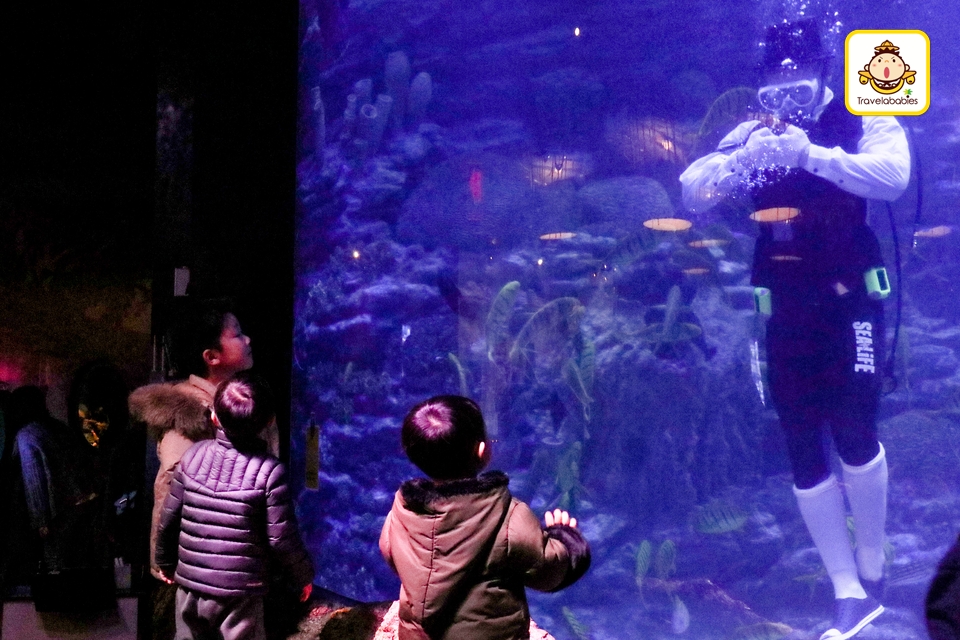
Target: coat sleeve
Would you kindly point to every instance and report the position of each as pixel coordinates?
(553, 559)
(168, 527)
(36, 481)
(713, 177)
(385, 549)
(283, 533)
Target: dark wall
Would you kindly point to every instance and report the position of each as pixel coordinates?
(236, 64)
(78, 116)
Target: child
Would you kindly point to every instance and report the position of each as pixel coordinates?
(463, 547)
(227, 518)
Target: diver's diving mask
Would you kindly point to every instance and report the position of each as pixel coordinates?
(790, 98)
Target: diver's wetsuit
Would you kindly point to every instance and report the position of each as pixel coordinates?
(814, 266)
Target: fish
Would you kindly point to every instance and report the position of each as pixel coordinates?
(720, 517)
(933, 232)
(498, 318)
(889, 553)
(629, 251)
(559, 235)
(579, 629)
(812, 580)
(680, 620)
(666, 563)
(762, 631)
(911, 573)
(707, 243)
(642, 564)
(696, 271)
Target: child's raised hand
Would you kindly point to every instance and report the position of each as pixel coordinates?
(558, 516)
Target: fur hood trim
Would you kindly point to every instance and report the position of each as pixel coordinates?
(420, 492)
(162, 407)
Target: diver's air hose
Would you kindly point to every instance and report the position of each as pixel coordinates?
(891, 361)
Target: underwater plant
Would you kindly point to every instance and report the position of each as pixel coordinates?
(557, 320)
(461, 374)
(726, 112)
(367, 118)
(498, 319)
(568, 477)
(671, 330)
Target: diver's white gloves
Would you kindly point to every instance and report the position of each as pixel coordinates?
(765, 149)
(793, 147)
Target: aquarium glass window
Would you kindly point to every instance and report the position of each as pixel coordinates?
(490, 204)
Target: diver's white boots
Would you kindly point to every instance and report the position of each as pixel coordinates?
(867, 493)
(825, 515)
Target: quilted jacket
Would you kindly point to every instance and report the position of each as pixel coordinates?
(227, 519)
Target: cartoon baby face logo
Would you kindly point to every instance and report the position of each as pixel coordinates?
(887, 72)
(886, 85)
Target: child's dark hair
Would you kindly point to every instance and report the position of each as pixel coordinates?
(198, 327)
(244, 405)
(440, 436)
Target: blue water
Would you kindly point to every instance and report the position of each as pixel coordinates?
(526, 143)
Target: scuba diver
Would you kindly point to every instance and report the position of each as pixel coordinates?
(806, 168)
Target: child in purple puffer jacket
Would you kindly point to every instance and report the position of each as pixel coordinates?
(227, 518)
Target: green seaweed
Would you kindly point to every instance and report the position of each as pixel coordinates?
(568, 477)
(498, 318)
(572, 375)
(728, 110)
(461, 374)
(670, 330)
(560, 317)
(587, 363)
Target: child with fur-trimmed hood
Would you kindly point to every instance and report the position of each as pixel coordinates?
(211, 346)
